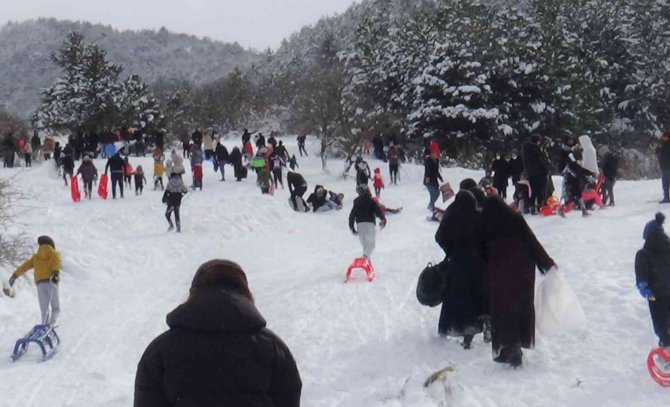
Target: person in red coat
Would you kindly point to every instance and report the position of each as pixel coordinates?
(378, 181)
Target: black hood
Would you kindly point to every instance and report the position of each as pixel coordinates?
(217, 310)
(657, 241)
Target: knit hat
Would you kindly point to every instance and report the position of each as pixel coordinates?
(468, 183)
(654, 226)
(46, 240)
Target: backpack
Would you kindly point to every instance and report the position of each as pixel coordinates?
(432, 283)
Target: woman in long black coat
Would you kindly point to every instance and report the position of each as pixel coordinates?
(464, 300)
(511, 252)
(217, 351)
(236, 160)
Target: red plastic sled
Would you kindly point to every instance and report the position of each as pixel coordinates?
(102, 186)
(361, 263)
(660, 375)
(74, 189)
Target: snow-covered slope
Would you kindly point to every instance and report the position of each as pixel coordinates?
(357, 344)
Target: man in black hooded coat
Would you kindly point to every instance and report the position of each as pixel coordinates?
(217, 352)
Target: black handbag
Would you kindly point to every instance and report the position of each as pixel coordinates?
(431, 284)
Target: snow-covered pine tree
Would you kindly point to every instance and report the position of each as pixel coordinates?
(453, 91)
(139, 109)
(90, 96)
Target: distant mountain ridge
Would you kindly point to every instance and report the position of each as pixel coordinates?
(26, 67)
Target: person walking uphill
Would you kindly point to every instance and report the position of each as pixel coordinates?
(363, 214)
(465, 298)
(218, 351)
(88, 174)
(652, 276)
(174, 191)
(511, 253)
(116, 165)
(47, 265)
(537, 168)
(431, 177)
(663, 153)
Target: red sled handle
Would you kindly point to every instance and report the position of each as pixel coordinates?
(661, 377)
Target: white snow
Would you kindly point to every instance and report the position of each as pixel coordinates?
(356, 344)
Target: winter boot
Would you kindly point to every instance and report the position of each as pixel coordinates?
(467, 341)
(171, 227)
(178, 228)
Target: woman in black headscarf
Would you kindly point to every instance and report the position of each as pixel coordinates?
(511, 252)
(464, 301)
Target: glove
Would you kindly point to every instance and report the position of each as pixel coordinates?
(353, 231)
(12, 279)
(645, 291)
(382, 224)
(55, 277)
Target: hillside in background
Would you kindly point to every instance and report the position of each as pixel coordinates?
(26, 67)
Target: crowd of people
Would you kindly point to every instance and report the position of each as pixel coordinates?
(491, 255)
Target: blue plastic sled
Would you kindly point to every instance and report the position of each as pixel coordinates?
(44, 336)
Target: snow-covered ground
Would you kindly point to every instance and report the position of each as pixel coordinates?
(356, 344)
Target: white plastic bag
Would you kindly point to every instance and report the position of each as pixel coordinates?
(557, 308)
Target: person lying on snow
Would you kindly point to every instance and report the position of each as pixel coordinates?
(323, 201)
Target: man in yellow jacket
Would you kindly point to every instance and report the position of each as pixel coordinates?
(47, 265)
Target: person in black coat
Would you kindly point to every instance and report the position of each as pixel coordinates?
(68, 167)
(9, 148)
(430, 179)
(511, 253)
(260, 141)
(159, 140)
(297, 186)
(663, 153)
(500, 168)
(222, 157)
(464, 300)
(116, 165)
(196, 137)
(515, 167)
(536, 166)
(363, 214)
(610, 167)
(246, 136)
(362, 171)
(281, 151)
(218, 351)
(652, 276)
(236, 160)
(318, 198)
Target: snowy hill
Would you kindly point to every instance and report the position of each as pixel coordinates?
(26, 48)
(356, 344)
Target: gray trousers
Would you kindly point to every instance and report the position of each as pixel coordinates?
(366, 234)
(47, 294)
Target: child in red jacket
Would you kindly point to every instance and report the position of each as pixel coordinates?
(377, 182)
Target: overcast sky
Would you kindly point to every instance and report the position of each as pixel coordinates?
(252, 23)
